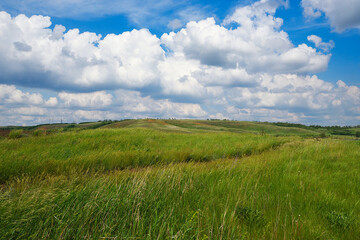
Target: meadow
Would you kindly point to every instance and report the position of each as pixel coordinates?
(179, 179)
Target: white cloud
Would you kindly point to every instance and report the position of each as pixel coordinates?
(81, 115)
(81, 61)
(9, 94)
(175, 24)
(131, 58)
(341, 14)
(336, 102)
(135, 60)
(309, 96)
(325, 46)
(286, 91)
(177, 78)
(264, 114)
(92, 100)
(51, 102)
(33, 111)
(58, 32)
(133, 104)
(256, 45)
(217, 76)
(204, 70)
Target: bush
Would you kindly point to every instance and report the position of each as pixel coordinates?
(70, 126)
(15, 134)
(322, 135)
(357, 134)
(38, 132)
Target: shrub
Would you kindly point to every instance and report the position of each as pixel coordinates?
(70, 126)
(15, 134)
(322, 135)
(38, 132)
(357, 134)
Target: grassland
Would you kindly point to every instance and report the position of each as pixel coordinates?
(179, 179)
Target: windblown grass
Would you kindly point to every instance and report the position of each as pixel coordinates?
(109, 149)
(305, 189)
(242, 127)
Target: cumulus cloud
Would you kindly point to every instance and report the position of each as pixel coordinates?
(92, 100)
(23, 47)
(136, 60)
(203, 70)
(93, 115)
(341, 14)
(325, 46)
(77, 107)
(9, 94)
(32, 111)
(74, 60)
(51, 102)
(131, 102)
(264, 114)
(307, 96)
(287, 91)
(256, 45)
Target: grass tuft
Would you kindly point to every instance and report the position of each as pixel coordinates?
(16, 134)
(342, 220)
(251, 217)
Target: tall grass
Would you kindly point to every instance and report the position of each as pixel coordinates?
(110, 149)
(242, 127)
(301, 190)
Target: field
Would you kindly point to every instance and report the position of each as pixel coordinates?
(179, 179)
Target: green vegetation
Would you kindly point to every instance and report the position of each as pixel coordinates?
(16, 134)
(357, 134)
(110, 149)
(38, 132)
(188, 126)
(333, 130)
(183, 179)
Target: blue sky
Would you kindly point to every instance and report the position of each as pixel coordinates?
(267, 60)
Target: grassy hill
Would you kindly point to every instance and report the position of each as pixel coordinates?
(191, 126)
(179, 179)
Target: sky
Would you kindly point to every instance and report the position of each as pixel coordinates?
(268, 60)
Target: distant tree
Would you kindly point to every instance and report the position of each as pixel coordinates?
(322, 135)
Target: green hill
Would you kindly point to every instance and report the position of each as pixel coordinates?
(179, 179)
(192, 126)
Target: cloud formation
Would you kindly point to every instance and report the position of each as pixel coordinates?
(245, 68)
(341, 14)
(86, 100)
(325, 46)
(12, 95)
(254, 47)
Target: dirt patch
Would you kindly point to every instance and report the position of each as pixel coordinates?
(201, 124)
(4, 133)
